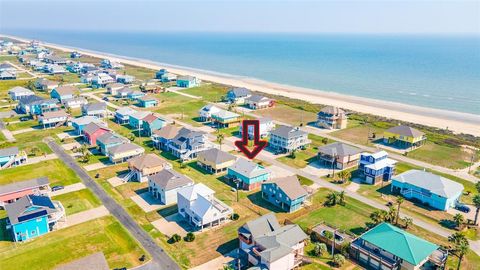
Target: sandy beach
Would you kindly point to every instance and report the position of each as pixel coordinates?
(455, 121)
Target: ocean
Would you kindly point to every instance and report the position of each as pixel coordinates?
(425, 70)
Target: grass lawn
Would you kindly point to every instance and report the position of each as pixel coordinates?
(56, 171)
(305, 157)
(22, 125)
(140, 73)
(288, 114)
(104, 234)
(78, 201)
(446, 156)
(28, 147)
(208, 91)
(183, 108)
(6, 85)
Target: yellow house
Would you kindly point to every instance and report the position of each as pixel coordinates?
(404, 137)
(145, 165)
(124, 152)
(215, 160)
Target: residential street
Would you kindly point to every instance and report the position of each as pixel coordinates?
(159, 257)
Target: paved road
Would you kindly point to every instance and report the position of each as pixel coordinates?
(8, 135)
(159, 257)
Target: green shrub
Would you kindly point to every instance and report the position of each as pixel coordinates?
(338, 260)
(189, 237)
(235, 216)
(175, 238)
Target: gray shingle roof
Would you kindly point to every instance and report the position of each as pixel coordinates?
(257, 98)
(167, 132)
(290, 186)
(11, 151)
(339, 149)
(111, 138)
(147, 161)
(406, 131)
(216, 156)
(170, 179)
(288, 132)
(240, 91)
(248, 168)
(18, 208)
(20, 90)
(94, 126)
(434, 183)
(97, 106)
(331, 110)
(22, 185)
(122, 148)
(66, 90)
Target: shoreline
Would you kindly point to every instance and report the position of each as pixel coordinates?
(458, 122)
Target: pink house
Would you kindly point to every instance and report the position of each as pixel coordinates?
(11, 192)
(92, 131)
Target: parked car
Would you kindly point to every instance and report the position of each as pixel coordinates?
(462, 208)
(56, 188)
(105, 98)
(24, 118)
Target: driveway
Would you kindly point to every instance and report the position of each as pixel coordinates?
(170, 225)
(117, 180)
(85, 216)
(68, 189)
(219, 262)
(95, 166)
(147, 202)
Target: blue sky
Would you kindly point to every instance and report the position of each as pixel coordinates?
(355, 16)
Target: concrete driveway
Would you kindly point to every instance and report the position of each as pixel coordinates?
(147, 202)
(68, 189)
(170, 225)
(219, 262)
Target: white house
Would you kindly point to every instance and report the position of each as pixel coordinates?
(53, 119)
(101, 80)
(19, 92)
(165, 185)
(75, 102)
(256, 102)
(266, 125)
(206, 112)
(200, 208)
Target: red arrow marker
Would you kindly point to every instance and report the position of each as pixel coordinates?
(258, 144)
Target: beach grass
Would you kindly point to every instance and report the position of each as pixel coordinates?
(304, 157)
(100, 235)
(78, 201)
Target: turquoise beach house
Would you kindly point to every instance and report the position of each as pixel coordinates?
(187, 81)
(135, 119)
(150, 123)
(249, 174)
(147, 101)
(286, 193)
(135, 95)
(32, 216)
(63, 92)
(108, 140)
(428, 188)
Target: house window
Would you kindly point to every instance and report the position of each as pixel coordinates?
(33, 232)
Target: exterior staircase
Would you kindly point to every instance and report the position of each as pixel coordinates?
(127, 177)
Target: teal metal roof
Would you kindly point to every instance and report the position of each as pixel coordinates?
(400, 243)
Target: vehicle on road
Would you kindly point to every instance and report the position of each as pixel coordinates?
(462, 208)
(56, 188)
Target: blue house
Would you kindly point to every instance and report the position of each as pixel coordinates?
(249, 174)
(187, 81)
(36, 105)
(238, 95)
(63, 92)
(32, 216)
(159, 73)
(79, 123)
(163, 137)
(151, 123)
(109, 139)
(376, 167)
(285, 193)
(10, 157)
(122, 115)
(147, 101)
(134, 95)
(135, 120)
(428, 188)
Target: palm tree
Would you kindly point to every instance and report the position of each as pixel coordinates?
(408, 221)
(400, 200)
(220, 138)
(332, 198)
(477, 186)
(341, 197)
(458, 219)
(476, 202)
(344, 175)
(391, 214)
(461, 246)
(378, 216)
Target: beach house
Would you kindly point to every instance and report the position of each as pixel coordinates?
(147, 101)
(79, 123)
(135, 95)
(151, 123)
(124, 152)
(126, 79)
(285, 192)
(215, 161)
(388, 247)
(238, 95)
(187, 81)
(266, 125)
(159, 73)
(63, 92)
(162, 138)
(112, 88)
(75, 102)
(11, 157)
(35, 105)
(101, 80)
(19, 92)
(206, 112)
(53, 119)
(164, 185)
(8, 75)
(94, 130)
(285, 139)
(198, 205)
(331, 117)
(97, 109)
(338, 155)
(54, 69)
(7, 67)
(32, 216)
(55, 60)
(430, 189)
(45, 84)
(188, 143)
(247, 174)
(257, 102)
(109, 139)
(12, 192)
(123, 92)
(404, 137)
(122, 115)
(225, 119)
(135, 120)
(264, 244)
(376, 167)
(145, 165)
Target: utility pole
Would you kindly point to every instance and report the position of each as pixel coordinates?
(472, 161)
(333, 242)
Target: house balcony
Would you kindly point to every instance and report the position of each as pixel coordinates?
(438, 257)
(58, 214)
(375, 254)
